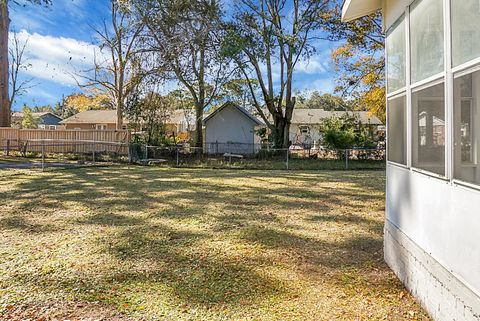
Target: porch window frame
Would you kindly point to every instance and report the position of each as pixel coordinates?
(467, 69)
(448, 75)
(413, 90)
(393, 97)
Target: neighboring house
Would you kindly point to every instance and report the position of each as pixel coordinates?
(94, 119)
(181, 122)
(45, 120)
(178, 122)
(231, 129)
(433, 170)
(305, 128)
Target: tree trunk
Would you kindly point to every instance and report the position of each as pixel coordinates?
(201, 101)
(119, 119)
(286, 135)
(120, 113)
(278, 133)
(4, 94)
(199, 125)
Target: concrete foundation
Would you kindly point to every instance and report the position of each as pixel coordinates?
(444, 296)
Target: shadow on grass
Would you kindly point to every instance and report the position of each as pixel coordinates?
(355, 251)
(111, 219)
(17, 222)
(143, 207)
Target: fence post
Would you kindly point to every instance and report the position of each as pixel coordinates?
(145, 156)
(178, 163)
(129, 151)
(346, 158)
(288, 152)
(43, 155)
(93, 154)
(8, 147)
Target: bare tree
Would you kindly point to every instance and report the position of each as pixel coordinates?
(185, 37)
(117, 64)
(18, 63)
(266, 35)
(5, 103)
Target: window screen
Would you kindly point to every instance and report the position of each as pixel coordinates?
(428, 145)
(397, 130)
(427, 39)
(466, 134)
(396, 56)
(465, 31)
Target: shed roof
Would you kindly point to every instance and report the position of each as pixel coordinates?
(232, 105)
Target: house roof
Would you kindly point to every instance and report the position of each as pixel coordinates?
(354, 9)
(93, 117)
(179, 116)
(19, 114)
(232, 105)
(316, 116)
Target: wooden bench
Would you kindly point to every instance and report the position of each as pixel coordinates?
(230, 156)
(152, 161)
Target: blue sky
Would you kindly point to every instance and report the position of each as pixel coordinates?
(60, 41)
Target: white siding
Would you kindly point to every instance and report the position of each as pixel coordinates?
(296, 136)
(232, 130)
(440, 217)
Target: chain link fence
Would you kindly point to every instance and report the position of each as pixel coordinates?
(246, 156)
(61, 153)
(55, 153)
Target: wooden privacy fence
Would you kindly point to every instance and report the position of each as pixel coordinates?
(65, 141)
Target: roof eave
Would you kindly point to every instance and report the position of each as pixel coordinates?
(354, 9)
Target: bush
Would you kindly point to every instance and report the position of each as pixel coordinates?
(346, 132)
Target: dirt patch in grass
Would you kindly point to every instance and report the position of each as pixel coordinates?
(167, 244)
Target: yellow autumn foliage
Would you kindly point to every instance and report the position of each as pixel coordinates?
(93, 99)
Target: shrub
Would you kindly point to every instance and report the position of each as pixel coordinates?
(346, 132)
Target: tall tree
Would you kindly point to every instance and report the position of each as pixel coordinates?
(266, 35)
(5, 103)
(270, 34)
(185, 37)
(117, 66)
(359, 59)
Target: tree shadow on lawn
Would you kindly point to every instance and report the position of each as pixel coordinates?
(194, 275)
(110, 219)
(175, 259)
(101, 189)
(354, 251)
(158, 261)
(17, 222)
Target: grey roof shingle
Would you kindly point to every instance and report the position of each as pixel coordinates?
(93, 117)
(316, 116)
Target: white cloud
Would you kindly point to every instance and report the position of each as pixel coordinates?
(56, 58)
(326, 86)
(314, 65)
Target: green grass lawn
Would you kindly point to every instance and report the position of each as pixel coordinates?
(195, 244)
